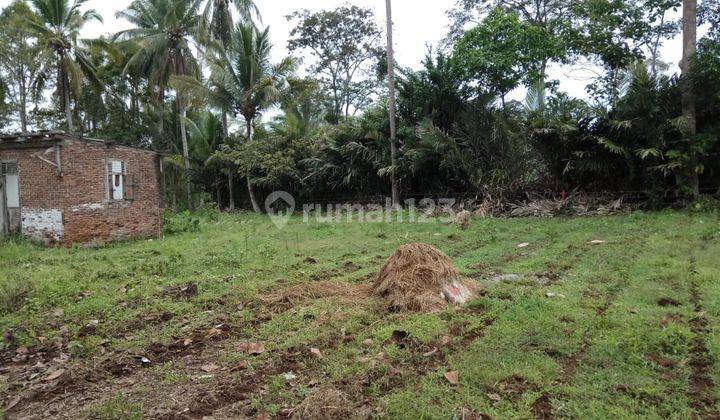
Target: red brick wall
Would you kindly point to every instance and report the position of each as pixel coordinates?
(81, 194)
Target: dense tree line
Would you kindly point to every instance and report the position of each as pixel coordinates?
(194, 78)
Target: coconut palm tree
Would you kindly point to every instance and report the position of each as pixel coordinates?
(206, 136)
(58, 26)
(217, 25)
(243, 78)
(164, 29)
(217, 22)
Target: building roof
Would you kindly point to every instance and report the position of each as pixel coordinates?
(50, 138)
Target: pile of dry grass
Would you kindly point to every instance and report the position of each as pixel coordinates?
(324, 404)
(420, 277)
(462, 219)
(317, 290)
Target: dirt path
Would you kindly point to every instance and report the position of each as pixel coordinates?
(702, 387)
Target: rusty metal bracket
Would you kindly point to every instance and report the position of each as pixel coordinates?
(58, 162)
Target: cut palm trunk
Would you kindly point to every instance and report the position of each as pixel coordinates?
(186, 157)
(251, 190)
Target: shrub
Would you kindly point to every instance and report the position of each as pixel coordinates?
(180, 223)
(14, 293)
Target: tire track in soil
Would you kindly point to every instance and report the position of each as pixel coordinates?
(702, 386)
(542, 407)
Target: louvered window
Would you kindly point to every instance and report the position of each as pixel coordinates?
(8, 168)
(116, 180)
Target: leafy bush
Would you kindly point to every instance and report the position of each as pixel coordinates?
(209, 211)
(14, 292)
(706, 204)
(180, 223)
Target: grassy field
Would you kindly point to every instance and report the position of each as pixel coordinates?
(242, 319)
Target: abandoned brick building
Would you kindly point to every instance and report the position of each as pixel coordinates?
(58, 188)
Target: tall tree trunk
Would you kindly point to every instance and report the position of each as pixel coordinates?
(226, 135)
(391, 102)
(174, 191)
(135, 103)
(23, 100)
(225, 126)
(543, 77)
(251, 191)
(218, 188)
(655, 50)
(231, 196)
(186, 156)
(253, 199)
(68, 108)
(688, 96)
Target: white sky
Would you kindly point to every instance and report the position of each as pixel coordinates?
(417, 24)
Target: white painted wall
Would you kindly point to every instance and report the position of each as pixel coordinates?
(40, 224)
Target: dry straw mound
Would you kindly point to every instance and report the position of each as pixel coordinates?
(324, 404)
(420, 277)
(462, 219)
(317, 290)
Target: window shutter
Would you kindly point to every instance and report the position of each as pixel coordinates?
(131, 187)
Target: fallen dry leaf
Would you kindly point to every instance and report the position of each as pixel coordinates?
(58, 373)
(210, 367)
(214, 332)
(453, 377)
(187, 342)
(446, 339)
(431, 352)
(61, 358)
(316, 352)
(22, 350)
(252, 348)
(13, 402)
(243, 364)
(495, 398)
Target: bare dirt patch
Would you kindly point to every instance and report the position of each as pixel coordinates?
(668, 302)
(542, 408)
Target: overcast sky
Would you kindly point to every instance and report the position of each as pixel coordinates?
(418, 23)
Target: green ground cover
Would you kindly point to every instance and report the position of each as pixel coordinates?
(631, 327)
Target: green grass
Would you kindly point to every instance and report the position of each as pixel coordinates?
(603, 347)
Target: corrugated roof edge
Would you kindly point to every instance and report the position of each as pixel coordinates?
(49, 136)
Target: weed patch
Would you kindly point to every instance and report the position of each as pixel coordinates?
(241, 320)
